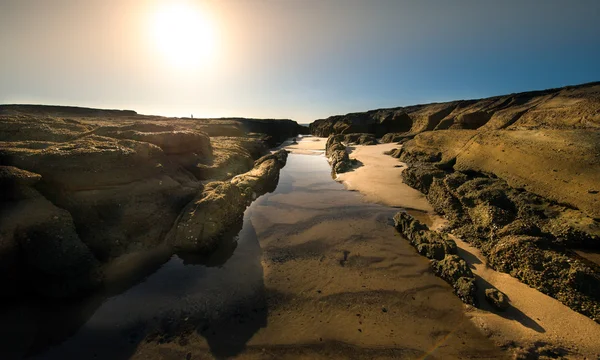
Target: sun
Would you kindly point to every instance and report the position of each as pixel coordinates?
(184, 35)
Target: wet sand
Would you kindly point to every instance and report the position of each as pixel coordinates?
(378, 178)
(314, 273)
(533, 317)
(309, 145)
(340, 283)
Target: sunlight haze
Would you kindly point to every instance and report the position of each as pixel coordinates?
(288, 59)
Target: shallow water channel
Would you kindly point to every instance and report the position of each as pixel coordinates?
(315, 272)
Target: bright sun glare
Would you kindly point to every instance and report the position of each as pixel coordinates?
(184, 35)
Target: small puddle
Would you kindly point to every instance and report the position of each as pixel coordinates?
(315, 271)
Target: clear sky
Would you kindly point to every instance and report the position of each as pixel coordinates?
(299, 59)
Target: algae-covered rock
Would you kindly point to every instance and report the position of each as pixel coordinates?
(455, 271)
(497, 299)
(452, 267)
(221, 204)
(531, 260)
(264, 176)
(421, 177)
(444, 202)
(442, 251)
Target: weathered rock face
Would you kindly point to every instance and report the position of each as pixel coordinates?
(31, 128)
(377, 122)
(40, 250)
(573, 107)
(62, 111)
(337, 155)
(79, 193)
(263, 177)
(561, 165)
(171, 142)
(360, 139)
(442, 251)
(533, 261)
(222, 204)
(396, 138)
(231, 156)
(276, 130)
(335, 150)
(122, 194)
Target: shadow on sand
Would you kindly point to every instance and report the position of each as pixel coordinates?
(512, 313)
(220, 297)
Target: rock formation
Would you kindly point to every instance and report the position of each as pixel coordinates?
(442, 252)
(335, 150)
(84, 187)
(221, 204)
(572, 107)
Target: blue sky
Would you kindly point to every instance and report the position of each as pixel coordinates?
(290, 59)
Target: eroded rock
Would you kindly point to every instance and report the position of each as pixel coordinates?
(442, 251)
(337, 155)
(80, 192)
(41, 252)
(222, 204)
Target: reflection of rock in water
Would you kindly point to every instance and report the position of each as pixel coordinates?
(225, 304)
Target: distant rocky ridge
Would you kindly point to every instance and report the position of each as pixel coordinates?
(82, 188)
(57, 110)
(571, 107)
(275, 130)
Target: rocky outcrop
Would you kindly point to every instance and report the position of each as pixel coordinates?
(31, 128)
(516, 176)
(377, 122)
(62, 111)
(572, 107)
(336, 154)
(122, 194)
(521, 233)
(396, 138)
(359, 139)
(169, 140)
(82, 192)
(276, 130)
(561, 165)
(231, 156)
(63, 123)
(222, 204)
(442, 252)
(40, 250)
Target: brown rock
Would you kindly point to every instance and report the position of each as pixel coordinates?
(497, 299)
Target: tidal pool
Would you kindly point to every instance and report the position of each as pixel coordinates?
(315, 272)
